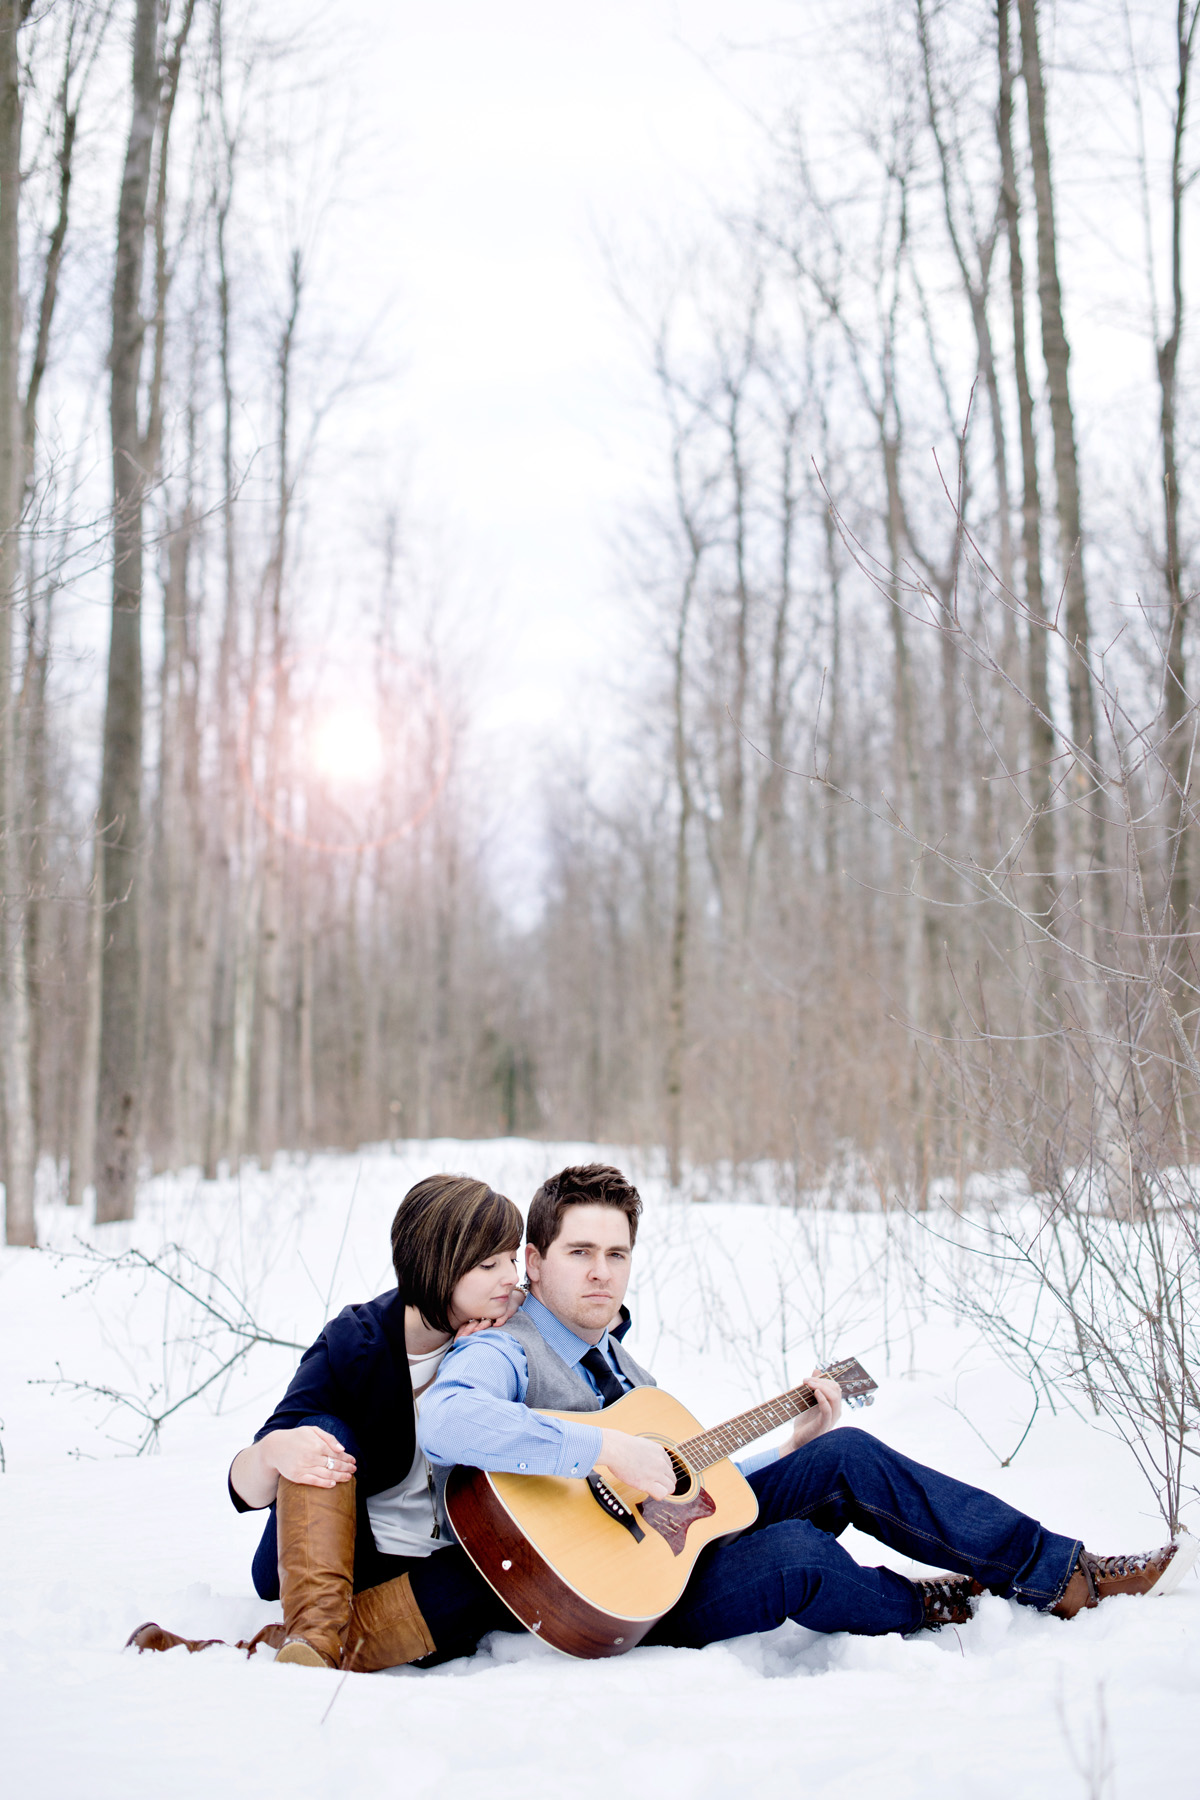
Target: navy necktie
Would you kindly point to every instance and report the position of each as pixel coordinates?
(598, 1368)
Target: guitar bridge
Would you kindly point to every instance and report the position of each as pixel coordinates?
(615, 1507)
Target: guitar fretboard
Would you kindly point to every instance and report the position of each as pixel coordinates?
(711, 1446)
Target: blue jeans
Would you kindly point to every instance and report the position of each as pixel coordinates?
(456, 1602)
(789, 1564)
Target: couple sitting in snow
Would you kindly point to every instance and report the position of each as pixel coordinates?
(446, 1369)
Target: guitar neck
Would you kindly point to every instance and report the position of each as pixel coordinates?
(712, 1446)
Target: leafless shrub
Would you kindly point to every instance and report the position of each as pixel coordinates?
(1092, 1758)
(208, 1331)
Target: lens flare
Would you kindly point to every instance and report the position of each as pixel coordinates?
(346, 748)
(339, 763)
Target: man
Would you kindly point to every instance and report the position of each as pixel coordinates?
(558, 1353)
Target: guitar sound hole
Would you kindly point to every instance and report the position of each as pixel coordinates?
(683, 1475)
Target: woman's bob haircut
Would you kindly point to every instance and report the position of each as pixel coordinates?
(444, 1227)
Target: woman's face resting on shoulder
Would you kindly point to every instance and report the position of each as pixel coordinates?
(454, 1250)
(483, 1295)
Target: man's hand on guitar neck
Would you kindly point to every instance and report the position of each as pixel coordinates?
(818, 1418)
(639, 1462)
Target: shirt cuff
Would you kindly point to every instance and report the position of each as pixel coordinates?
(580, 1449)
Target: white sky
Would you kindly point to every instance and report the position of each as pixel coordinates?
(510, 140)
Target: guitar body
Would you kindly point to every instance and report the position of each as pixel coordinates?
(591, 1571)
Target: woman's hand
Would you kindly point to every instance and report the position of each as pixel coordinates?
(307, 1455)
(515, 1302)
(818, 1418)
(310, 1456)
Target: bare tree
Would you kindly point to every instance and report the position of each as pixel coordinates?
(1177, 706)
(270, 1065)
(1038, 715)
(20, 1146)
(119, 1090)
(1056, 352)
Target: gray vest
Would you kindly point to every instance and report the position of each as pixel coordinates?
(553, 1385)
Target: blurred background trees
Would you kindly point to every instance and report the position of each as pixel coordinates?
(886, 851)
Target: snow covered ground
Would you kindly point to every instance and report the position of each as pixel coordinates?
(731, 1303)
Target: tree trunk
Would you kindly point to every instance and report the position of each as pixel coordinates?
(975, 287)
(174, 849)
(681, 911)
(1056, 353)
(306, 1096)
(906, 842)
(230, 799)
(83, 1135)
(119, 1093)
(53, 267)
(1176, 705)
(245, 993)
(39, 833)
(20, 1150)
(1041, 731)
(270, 1052)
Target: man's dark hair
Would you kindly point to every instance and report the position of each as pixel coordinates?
(593, 1184)
(445, 1227)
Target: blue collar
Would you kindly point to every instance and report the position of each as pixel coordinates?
(561, 1339)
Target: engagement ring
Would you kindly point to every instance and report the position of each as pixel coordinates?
(329, 1462)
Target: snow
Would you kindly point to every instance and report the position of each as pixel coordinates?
(732, 1300)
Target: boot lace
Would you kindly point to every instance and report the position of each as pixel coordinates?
(1111, 1568)
(947, 1599)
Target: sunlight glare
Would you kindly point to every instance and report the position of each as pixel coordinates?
(346, 747)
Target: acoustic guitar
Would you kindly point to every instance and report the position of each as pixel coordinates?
(590, 1564)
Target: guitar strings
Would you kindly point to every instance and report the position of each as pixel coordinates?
(713, 1446)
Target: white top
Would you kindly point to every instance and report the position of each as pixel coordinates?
(403, 1522)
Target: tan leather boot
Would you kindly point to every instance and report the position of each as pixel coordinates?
(386, 1628)
(1096, 1578)
(315, 1529)
(152, 1637)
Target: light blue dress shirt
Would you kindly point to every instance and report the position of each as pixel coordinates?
(475, 1413)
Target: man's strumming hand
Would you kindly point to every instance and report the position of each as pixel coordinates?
(638, 1462)
(818, 1418)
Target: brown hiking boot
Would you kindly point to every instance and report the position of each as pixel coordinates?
(1096, 1578)
(948, 1600)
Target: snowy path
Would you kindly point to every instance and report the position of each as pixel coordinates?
(94, 1541)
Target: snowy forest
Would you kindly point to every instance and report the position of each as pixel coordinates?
(600, 585)
(886, 853)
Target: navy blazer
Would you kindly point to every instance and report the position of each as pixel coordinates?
(357, 1371)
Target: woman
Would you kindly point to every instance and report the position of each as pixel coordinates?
(357, 1545)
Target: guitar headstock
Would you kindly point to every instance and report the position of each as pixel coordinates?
(857, 1387)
